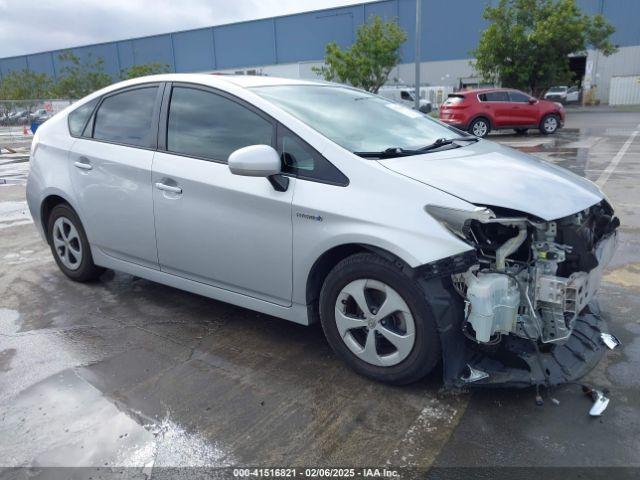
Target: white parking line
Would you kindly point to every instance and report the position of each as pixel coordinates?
(602, 179)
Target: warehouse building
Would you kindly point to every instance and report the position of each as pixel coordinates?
(291, 45)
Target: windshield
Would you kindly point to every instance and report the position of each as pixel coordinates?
(357, 120)
(557, 89)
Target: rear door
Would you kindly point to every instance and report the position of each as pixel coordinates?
(212, 226)
(497, 107)
(110, 168)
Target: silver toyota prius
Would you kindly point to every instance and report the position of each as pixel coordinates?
(414, 244)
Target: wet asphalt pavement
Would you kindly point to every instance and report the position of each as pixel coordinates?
(125, 372)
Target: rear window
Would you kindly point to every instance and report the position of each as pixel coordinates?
(78, 118)
(454, 99)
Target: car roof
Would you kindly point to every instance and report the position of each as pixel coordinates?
(220, 80)
(485, 90)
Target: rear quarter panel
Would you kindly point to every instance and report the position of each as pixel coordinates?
(49, 169)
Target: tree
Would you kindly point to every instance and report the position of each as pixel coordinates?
(143, 70)
(79, 78)
(369, 61)
(25, 85)
(528, 42)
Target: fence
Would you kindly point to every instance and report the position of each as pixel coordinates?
(26, 112)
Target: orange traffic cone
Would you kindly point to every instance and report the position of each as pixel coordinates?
(24, 130)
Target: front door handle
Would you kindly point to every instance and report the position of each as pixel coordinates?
(168, 188)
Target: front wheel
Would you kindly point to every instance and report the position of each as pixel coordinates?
(480, 127)
(549, 124)
(376, 319)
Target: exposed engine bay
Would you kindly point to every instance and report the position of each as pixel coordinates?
(534, 278)
(530, 287)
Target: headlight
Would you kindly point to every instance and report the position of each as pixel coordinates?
(455, 219)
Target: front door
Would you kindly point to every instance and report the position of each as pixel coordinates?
(212, 226)
(110, 169)
(524, 113)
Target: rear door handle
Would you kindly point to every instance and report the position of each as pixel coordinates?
(168, 188)
(83, 164)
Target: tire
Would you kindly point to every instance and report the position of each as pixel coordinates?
(480, 127)
(549, 124)
(69, 245)
(416, 348)
(521, 131)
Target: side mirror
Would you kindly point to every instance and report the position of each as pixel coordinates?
(259, 161)
(255, 161)
(532, 101)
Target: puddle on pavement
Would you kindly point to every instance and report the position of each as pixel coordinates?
(626, 372)
(65, 421)
(627, 276)
(13, 169)
(14, 213)
(8, 321)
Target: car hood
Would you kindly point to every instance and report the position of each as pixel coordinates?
(485, 173)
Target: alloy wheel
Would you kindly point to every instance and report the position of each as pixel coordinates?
(550, 124)
(66, 241)
(480, 129)
(375, 322)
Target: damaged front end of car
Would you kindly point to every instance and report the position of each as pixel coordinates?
(524, 311)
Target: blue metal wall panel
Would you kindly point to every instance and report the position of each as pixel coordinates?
(153, 49)
(451, 29)
(304, 36)
(41, 63)
(194, 50)
(108, 52)
(125, 54)
(625, 16)
(386, 10)
(590, 7)
(244, 44)
(407, 21)
(8, 65)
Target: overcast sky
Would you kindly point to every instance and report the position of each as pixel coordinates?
(29, 26)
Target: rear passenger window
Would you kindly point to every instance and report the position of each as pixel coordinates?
(207, 125)
(78, 118)
(127, 117)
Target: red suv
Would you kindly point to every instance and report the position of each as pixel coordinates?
(483, 110)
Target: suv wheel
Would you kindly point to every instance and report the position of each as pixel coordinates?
(70, 246)
(375, 318)
(480, 127)
(549, 124)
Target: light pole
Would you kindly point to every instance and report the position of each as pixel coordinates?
(417, 54)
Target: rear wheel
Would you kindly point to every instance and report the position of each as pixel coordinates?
(549, 124)
(377, 320)
(480, 127)
(70, 246)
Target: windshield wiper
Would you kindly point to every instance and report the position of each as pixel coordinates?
(393, 152)
(446, 141)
